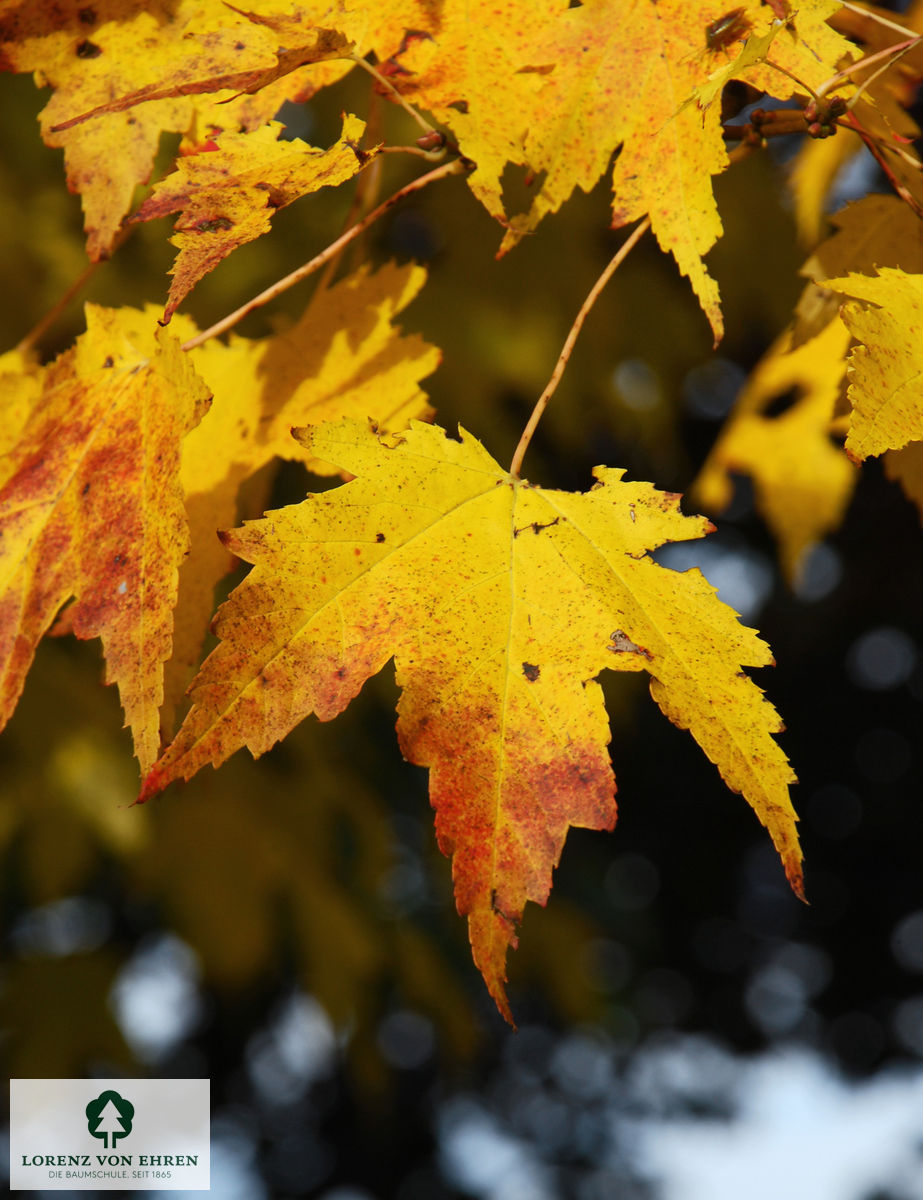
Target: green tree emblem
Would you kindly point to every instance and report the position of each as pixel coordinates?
(109, 1117)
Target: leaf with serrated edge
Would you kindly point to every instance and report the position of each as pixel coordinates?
(886, 370)
(803, 483)
(227, 197)
(92, 508)
(500, 603)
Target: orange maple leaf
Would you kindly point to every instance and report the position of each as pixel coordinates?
(562, 92)
(105, 58)
(500, 603)
(227, 196)
(92, 508)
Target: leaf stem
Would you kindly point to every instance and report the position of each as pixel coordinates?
(794, 78)
(35, 334)
(874, 16)
(894, 53)
(456, 167)
(367, 184)
(542, 403)
(879, 156)
(392, 90)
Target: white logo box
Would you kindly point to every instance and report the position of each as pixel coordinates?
(145, 1134)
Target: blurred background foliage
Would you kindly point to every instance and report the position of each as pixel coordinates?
(286, 927)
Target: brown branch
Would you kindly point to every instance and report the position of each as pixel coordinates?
(75, 288)
(393, 92)
(878, 154)
(456, 167)
(35, 334)
(542, 403)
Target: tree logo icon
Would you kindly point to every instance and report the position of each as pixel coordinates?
(109, 1117)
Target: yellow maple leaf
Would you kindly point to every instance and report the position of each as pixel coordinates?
(881, 110)
(876, 231)
(227, 196)
(91, 53)
(346, 356)
(92, 508)
(124, 73)
(20, 390)
(562, 92)
(500, 603)
(886, 317)
(802, 482)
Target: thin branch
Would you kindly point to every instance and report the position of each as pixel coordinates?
(367, 184)
(806, 87)
(456, 167)
(542, 403)
(428, 155)
(853, 125)
(874, 16)
(392, 90)
(894, 53)
(879, 156)
(35, 335)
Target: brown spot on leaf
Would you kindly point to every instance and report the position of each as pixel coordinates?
(213, 224)
(379, 537)
(361, 155)
(86, 16)
(622, 644)
(531, 671)
(536, 527)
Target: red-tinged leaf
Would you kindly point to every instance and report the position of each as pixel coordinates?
(91, 508)
(500, 603)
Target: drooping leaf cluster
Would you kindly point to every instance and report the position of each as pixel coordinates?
(500, 602)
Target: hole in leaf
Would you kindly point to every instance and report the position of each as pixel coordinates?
(520, 186)
(781, 403)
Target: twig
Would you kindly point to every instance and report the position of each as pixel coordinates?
(456, 167)
(389, 86)
(34, 335)
(428, 155)
(873, 16)
(366, 191)
(542, 403)
(853, 125)
(794, 78)
(895, 52)
(879, 157)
